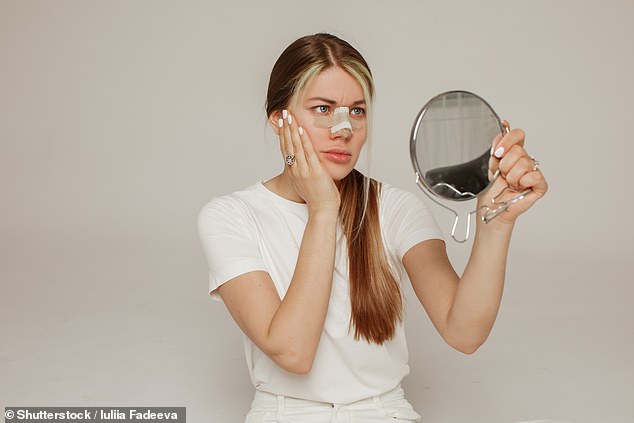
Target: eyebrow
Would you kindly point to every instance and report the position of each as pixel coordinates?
(333, 102)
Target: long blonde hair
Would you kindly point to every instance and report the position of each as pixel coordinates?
(375, 294)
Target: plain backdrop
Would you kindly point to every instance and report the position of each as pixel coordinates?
(120, 119)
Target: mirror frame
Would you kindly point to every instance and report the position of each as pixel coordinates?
(412, 145)
(420, 181)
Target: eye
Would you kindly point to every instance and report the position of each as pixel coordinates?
(357, 111)
(321, 109)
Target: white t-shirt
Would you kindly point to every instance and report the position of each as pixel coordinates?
(256, 229)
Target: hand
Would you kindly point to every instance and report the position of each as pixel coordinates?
(517, 171)
(307, 175)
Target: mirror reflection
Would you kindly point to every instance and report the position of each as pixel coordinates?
(451, 142)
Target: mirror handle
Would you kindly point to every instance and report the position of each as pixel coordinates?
(455, 225)
(456, 216)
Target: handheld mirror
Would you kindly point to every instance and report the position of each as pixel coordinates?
(450, 147)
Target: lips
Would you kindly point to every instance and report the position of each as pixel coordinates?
(338, 151)
(338, 155)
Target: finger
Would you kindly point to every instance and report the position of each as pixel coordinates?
(495, 142)
(288, 137)
(309, 151)
(528, 201)
(285, 144)
(493, 161)
(496, 187)
(511, 158)
(535, 180)
(506, 128)
(514, 137)
(293, 133)
(520, 168)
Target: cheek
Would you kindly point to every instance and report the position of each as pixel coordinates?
(361, 136)
(315, 133)
(314, 137)
(304, 119)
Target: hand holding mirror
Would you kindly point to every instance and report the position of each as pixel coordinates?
(450, 148)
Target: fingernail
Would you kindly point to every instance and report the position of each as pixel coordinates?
(301, 130)
(499, 152)
(284, 114)
(290, 119)
(492, 147)
(280, 123)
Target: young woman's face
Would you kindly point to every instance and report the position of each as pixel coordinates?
(330, 89)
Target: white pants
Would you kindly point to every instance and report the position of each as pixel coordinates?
(390, 407)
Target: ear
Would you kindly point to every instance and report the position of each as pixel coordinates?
(274, 119)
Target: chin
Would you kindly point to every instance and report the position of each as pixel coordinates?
(338, 171)
(337, 167)
(339, 174)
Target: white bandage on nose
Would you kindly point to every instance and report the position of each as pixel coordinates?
(339, 122)
(341, 117)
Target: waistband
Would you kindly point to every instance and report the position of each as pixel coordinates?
(268, 400)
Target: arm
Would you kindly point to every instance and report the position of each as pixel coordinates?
(289, 330)
(463, 310)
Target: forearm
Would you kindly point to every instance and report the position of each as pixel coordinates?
(479, 293)
(296, 327)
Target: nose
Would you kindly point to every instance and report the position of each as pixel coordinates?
(344, 133)
(341, 126)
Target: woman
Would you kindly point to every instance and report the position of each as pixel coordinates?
(310, 262)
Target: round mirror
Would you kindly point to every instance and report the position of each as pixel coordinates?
(450, 149)
(451, 143)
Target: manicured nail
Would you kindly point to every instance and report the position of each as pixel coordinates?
(301, 130)
(280, 123)
(290, 119)
(284, 114)
(492, 147)
(499, 152)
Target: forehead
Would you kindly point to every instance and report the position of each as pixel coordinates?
(335, 84)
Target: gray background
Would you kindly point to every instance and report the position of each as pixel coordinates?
(120, 119)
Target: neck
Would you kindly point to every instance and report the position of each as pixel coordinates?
(282, 186)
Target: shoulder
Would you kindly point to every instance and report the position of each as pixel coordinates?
(228, 209)
(395, 197)
(405, 219)
(389, 190)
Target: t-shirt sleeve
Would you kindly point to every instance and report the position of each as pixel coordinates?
(229, 240)
(406, 220)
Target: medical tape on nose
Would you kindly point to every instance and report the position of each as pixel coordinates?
(339, 122)
(341, 118)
